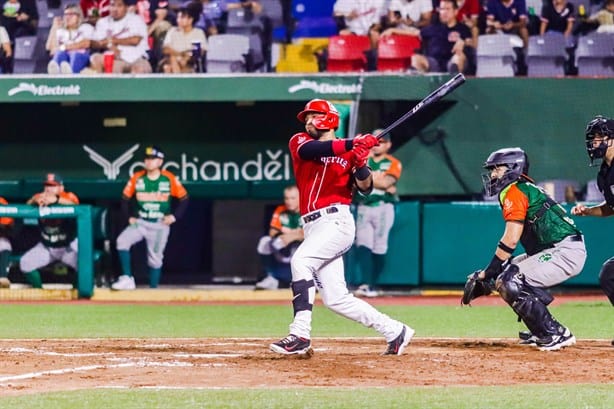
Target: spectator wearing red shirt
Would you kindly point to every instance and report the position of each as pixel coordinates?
(94, 9)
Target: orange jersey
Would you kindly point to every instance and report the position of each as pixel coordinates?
(282, 217)
(5, 221)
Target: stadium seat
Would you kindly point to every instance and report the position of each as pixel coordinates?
(595, 55)
(241, 21)
(347, 53)
(272, 10)
(556, 188)
(24, 61)
(394, 52)
(592, 192)
(300, 56)
(315, 27)
(496, 56)
(226, 53)
(312, 8)
(546, 55)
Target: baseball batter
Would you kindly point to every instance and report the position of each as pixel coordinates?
(599, 136)
(58, 236)
(277, 247)
(153, 190)
(6, 225)
(554, 247)
(326, 170)
(375, 214)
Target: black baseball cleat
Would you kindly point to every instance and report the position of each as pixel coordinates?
(398, 345)
(613, 342)
(291, 345)
(526, 338)
(556, 342)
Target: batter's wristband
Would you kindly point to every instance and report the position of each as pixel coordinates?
(341, 146)
(505, 247)
(494, 268)
(362, 173)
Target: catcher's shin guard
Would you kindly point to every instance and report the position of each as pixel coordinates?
(528, 303)
(606, 279)
(302, 300)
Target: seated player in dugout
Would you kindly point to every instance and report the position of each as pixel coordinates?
(6, 227)
(277, 247)
(147, 204)
(58, 236)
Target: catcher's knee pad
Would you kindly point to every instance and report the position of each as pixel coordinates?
(510, 283)
(302, 301)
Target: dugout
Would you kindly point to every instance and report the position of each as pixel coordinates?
(226, 137)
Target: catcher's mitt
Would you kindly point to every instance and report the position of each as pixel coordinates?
(475, 288)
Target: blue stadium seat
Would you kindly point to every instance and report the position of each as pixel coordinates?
(312, 8)
(315, 27)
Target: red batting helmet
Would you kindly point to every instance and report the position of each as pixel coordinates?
(329, 118)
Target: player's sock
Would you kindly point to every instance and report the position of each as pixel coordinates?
(154, 277)
(34, 278)
(124, 261)
(4, 263)
(364, 259)
(379, 261)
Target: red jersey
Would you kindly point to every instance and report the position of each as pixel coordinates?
(323, 181)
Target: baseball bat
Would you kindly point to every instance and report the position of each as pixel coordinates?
(438, 94)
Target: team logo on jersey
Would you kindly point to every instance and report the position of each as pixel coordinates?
(111, 169)
(544, 258)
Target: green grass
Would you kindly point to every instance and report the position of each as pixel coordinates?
(493, 397)
(591, 320)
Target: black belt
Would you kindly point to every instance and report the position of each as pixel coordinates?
(319, 213)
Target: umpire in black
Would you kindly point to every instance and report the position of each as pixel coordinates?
(600, 146)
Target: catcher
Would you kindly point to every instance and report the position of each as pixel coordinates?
(554, 247)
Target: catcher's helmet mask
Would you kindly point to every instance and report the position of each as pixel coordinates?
(515, 161)
(599, 127)
(329, 118)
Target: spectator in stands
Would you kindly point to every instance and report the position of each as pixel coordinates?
(509, 17)
(58, 236)
(6, 226)
(124, 34)
(446, 44)
(403, 14)
(69, 42)
(557, 15)
(19, 17)
(604, 17)
(249, 5)
(6, 51)
(94, 9)
(360, 17)
(469, 13)
(158, 28)
(180, 53)
(212, 19)
(277, 247)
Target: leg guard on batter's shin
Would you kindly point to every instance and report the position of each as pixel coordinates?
(301, 300)
(606, 279)
(524, 301)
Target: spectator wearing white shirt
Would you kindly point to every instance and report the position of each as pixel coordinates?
(178, 46)
(361, 17)
(125, 34)
(69, 42)
(410, 13)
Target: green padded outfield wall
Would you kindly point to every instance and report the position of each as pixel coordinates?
(460, 237)
(244, 122)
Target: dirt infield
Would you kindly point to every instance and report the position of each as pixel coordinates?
(32, 366)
